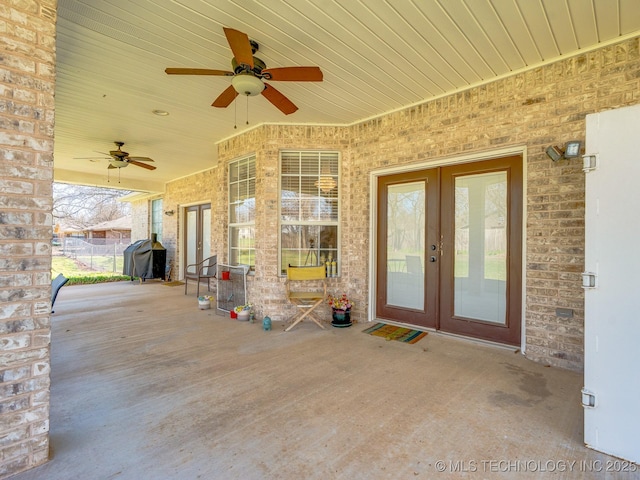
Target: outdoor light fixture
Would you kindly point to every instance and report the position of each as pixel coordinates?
(169, 213)
(571, 150)
(554, 153)
(247, 84)
(118, 163)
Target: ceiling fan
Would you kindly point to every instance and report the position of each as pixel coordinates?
(120, 159)
(249, 74)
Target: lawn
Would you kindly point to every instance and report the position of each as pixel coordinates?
(78, 274)
(495, 266)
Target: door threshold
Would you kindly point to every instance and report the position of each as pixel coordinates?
(478, 341)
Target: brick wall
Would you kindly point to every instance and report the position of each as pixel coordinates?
(532, 110)
(266, 289)
(196, 189)
(27, 80)
(140, 213)
(541, 107)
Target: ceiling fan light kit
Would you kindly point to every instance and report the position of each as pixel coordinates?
(249, 74)
(120, 159)
(113, 163)
(247, 84)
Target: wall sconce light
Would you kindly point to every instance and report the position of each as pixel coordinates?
(571, 150)
(169, 213)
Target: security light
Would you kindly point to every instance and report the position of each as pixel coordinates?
(572, 149)
(554, 153)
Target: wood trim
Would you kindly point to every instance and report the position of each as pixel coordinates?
(428, 316)
(511, 332)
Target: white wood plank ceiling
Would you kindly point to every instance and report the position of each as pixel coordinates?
(376, 56)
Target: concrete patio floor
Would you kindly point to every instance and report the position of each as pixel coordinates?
(146, 386)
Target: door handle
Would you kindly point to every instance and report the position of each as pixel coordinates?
(432, 258)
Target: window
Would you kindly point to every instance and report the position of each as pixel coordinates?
(242, 212)
(309, 208)
(156, 219)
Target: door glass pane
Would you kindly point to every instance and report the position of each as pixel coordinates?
(405, 245)
(156, 219)
(206, 233)
(480, 260)
(192, 237)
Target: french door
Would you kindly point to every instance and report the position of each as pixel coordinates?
(450, 249)
(197, 233)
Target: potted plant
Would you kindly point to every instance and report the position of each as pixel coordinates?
(204, 302)
(341, 310)
(243, 312)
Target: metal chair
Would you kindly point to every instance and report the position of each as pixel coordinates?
(204, 270)
(307, 300)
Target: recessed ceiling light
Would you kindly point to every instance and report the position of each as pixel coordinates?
(161, 113)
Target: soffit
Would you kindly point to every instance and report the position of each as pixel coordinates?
(377, 56)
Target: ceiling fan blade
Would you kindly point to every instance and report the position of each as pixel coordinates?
(225, 98)
(141, 159)
(197, 71)
(140, 164)
(240, 46)
(281, 102)
(293, 74)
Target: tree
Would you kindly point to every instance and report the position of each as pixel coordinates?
(85, 206)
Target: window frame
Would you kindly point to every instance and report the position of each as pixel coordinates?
(314, 223)
(156, 218)
(251, 224)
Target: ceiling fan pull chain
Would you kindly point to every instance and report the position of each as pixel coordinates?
(247, 109)
(235, 114)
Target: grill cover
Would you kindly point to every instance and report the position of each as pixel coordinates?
(145, 259)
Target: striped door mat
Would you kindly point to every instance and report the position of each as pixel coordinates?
(391, 332)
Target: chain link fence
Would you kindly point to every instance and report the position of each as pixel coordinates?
(96, 254)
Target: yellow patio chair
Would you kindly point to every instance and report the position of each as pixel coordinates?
(306, 300)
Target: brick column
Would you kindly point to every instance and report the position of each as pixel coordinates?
(27, 82)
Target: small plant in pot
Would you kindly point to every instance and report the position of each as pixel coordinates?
(340, 310)
(204, 302)
(243, 312)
